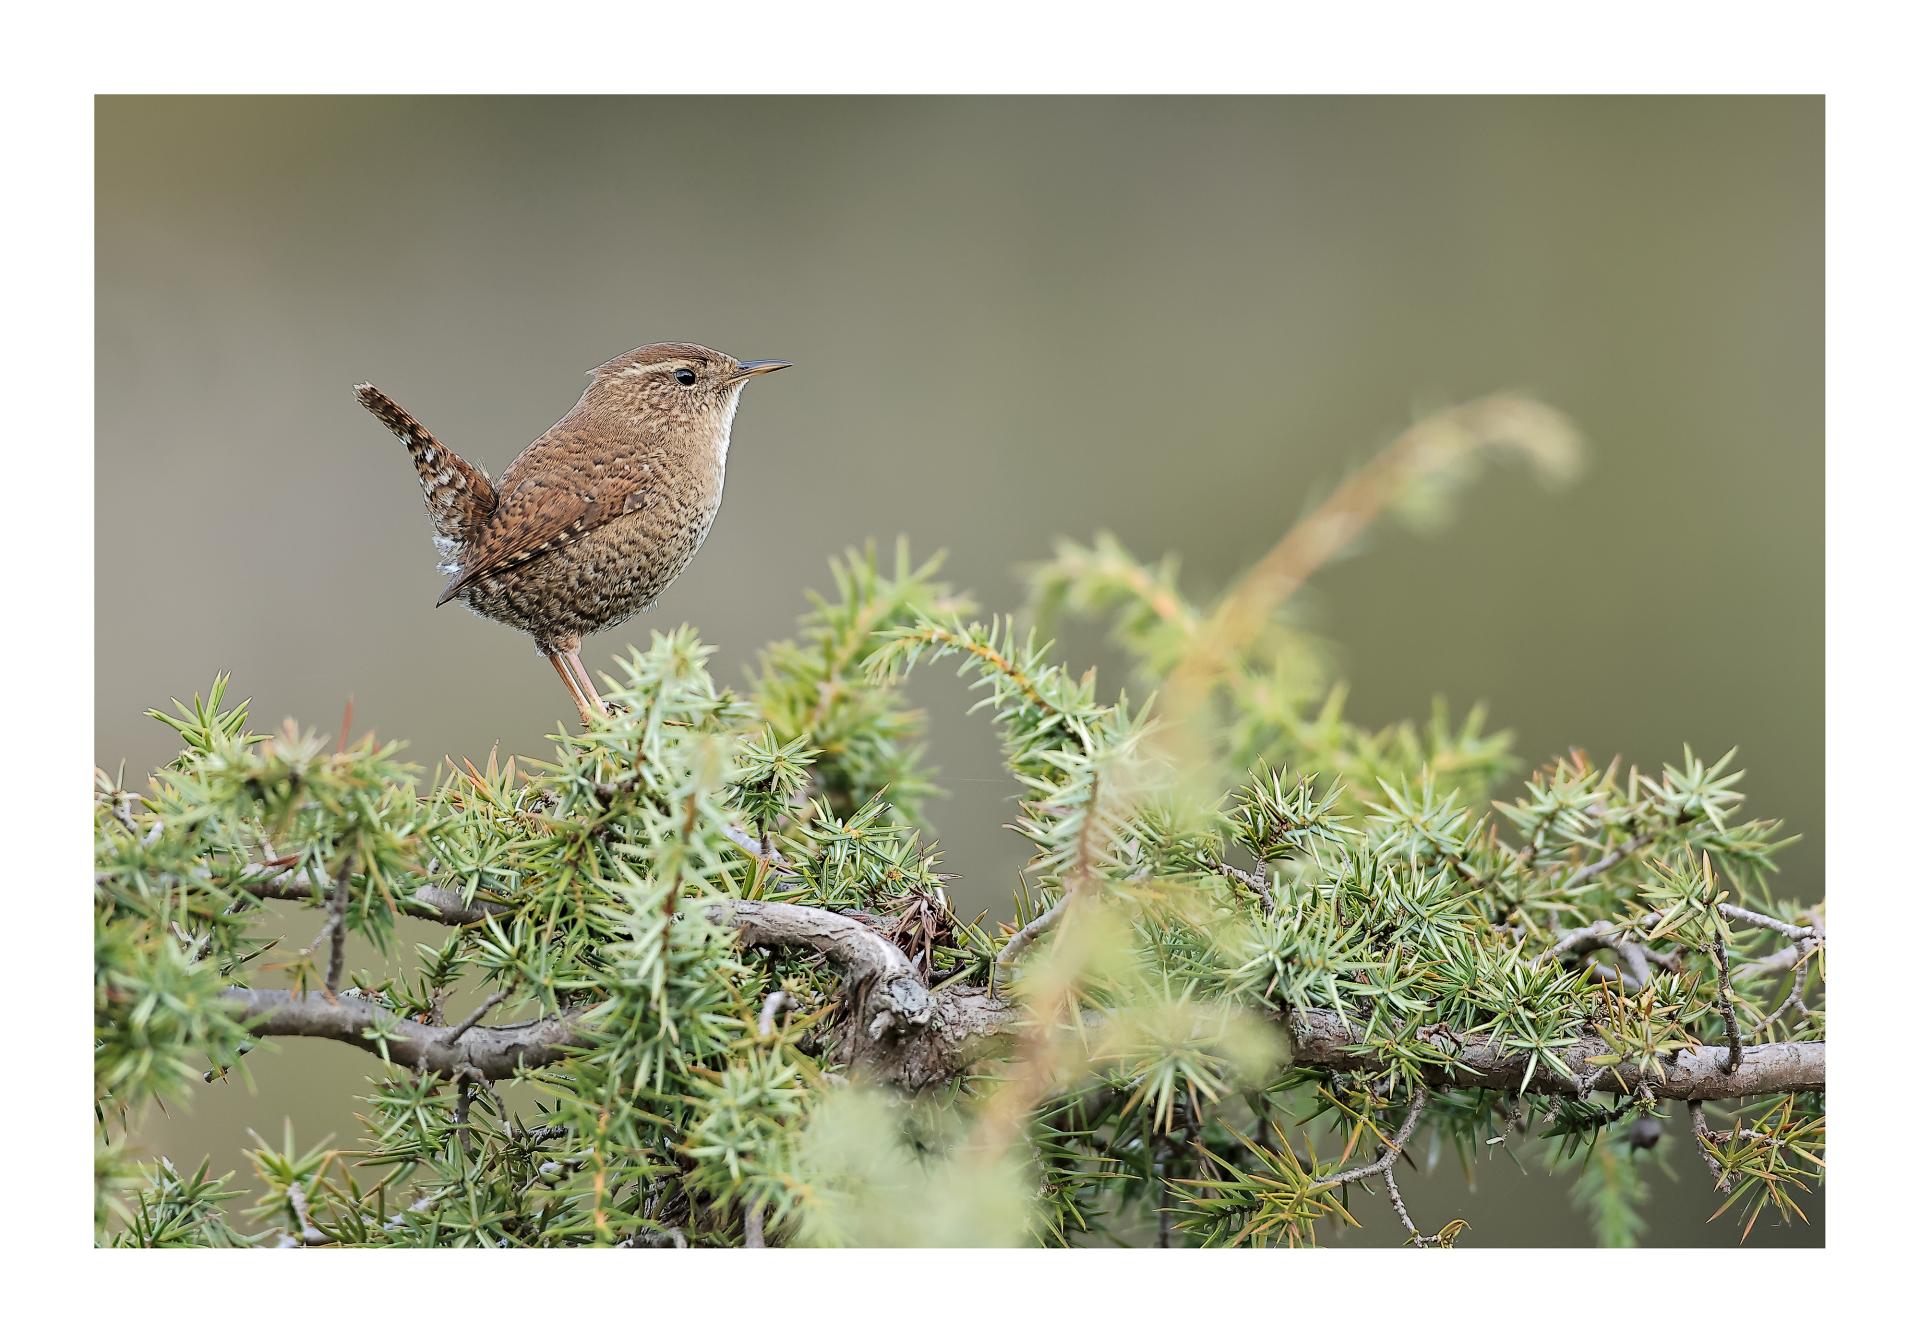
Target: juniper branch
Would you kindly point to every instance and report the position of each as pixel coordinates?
(1321, 1038)
(1390, 1150)
(912, 1036)
(1724, 995)
(473, 1019)
(1703, 1140)
(1418, 1240)
(1029, 932)
(492, 1051)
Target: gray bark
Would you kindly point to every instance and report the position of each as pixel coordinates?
(909, 1035)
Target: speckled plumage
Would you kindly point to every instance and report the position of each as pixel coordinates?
(599, 514)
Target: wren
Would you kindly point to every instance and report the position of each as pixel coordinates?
(592, 521)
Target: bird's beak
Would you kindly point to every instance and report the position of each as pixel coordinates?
(750, 367)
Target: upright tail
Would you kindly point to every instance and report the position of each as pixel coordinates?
(459, 495)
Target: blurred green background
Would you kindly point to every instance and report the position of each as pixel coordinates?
(1012, 320)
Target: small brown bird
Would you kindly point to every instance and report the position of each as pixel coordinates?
(599, 514)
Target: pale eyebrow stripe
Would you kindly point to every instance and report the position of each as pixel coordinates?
(638, 369)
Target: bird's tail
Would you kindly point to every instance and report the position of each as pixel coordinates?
(459, 495)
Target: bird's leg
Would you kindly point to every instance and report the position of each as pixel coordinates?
(579, 704)
(584, 679)
(584, 702)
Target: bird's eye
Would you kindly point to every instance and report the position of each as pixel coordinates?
(683, 376)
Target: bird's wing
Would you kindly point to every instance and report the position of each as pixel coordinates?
(542, 514)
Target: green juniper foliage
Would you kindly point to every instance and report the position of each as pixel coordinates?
(696, 979)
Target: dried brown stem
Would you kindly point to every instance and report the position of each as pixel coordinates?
(1330, 530)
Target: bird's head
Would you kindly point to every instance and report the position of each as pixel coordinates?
(673, 382)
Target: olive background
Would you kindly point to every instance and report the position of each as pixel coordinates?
(1011, 320)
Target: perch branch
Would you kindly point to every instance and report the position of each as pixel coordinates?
(908, 1034)
(902, 1031)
